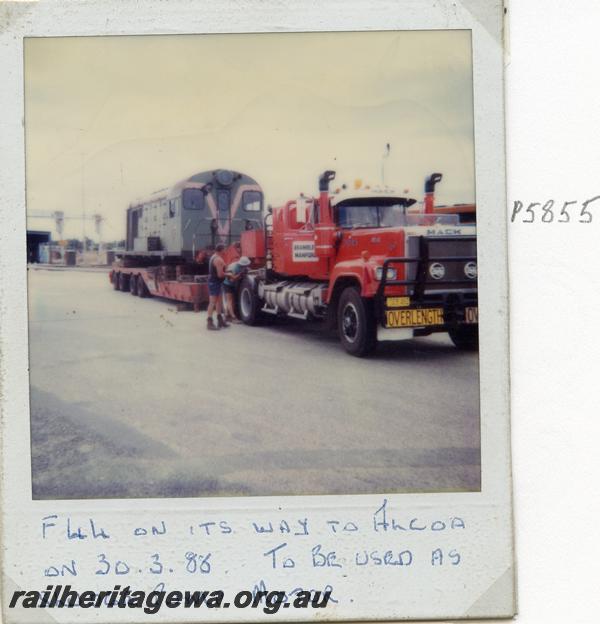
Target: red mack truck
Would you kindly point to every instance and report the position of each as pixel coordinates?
(366, 261)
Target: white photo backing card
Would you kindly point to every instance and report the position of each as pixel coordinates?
(254, 312)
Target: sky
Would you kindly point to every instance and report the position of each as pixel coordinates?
(112, 119)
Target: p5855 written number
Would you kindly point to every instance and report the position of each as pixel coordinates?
(553, 211)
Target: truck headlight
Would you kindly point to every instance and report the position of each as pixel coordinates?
(470, 270)
(392, 274)
(437, 270)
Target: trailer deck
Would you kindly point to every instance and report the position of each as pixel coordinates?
(161, 281)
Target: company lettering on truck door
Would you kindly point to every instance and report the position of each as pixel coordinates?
(303, 251)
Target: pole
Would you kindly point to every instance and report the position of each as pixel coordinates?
(83, 203)
(98, 223)
(386, 154)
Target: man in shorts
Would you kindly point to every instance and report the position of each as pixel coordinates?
(216, 275)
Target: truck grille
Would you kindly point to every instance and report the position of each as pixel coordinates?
(436, 270)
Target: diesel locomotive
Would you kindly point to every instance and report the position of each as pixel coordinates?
(185, 220)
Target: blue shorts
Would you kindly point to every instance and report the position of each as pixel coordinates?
(214, 287)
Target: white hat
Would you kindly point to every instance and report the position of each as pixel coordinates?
(244, 261)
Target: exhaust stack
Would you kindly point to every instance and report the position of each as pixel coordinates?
(324, 211)
(430, 183)
(324, 229)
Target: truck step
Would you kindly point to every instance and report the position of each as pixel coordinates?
(302, 316)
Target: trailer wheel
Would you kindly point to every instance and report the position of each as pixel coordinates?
(465, 338)
(141, 288)
(123, 282)
(115, 280)
(356, 323)
(133, 280)
(248, 303)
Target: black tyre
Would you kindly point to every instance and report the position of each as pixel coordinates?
(236, 300)
(123, 282)
(141, 288)
(115, 280)
(133, 285)
(356, 323)
(248, 303)
(465, 337)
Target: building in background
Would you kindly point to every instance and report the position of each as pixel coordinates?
(34, 239)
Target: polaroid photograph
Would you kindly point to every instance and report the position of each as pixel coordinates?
(254, 310)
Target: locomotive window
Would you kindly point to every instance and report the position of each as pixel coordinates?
(223, 200)
(252, 201)
(193, 199)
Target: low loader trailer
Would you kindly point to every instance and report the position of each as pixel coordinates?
(366, 262)
(178, 281)
(155, 281)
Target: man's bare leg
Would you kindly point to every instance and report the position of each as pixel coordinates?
(220, 319)
(212, 303)
(229, 308)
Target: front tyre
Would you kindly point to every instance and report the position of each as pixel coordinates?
(356, 323)
(249, 304)
(465, 337)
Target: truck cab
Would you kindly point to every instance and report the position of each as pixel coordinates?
(373, 266)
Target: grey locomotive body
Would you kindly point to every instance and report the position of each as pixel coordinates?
(192, 216)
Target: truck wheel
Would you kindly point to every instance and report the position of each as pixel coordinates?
(141, 288)
(115, 280)
(249, 304)
(236, 300)
(123, 282)
(356, 323)
(133, 280)
(465, 338)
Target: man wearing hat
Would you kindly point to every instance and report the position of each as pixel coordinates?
(233, 273)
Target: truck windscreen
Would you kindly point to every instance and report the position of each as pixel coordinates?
(375, 215)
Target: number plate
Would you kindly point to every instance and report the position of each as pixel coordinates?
(397, 302)
(472, 315)
(418, 317)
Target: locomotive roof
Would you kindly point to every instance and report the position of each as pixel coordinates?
(198, 180)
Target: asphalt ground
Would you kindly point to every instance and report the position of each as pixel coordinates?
(133, 398)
